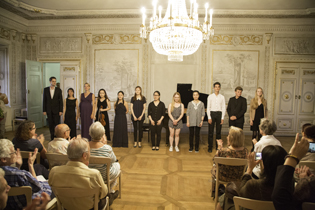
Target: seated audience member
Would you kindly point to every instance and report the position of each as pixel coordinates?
(261, 189)
(225, 202)
(100, 148)
(60, 143)
(4, 190)
(309, 135)
(77, 174)
(35, 205)
(284, 195)
(304, 127)
(235, 149)
(267, 128)
(16, 177)
(26, 139)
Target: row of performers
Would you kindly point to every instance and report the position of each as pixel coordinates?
(95, 108)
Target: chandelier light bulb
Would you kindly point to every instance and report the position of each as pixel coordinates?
(211, 12)
(154, 8)
(160, 12)
(206, 6)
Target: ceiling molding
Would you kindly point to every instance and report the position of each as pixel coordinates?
(30, 12)
(133, 28)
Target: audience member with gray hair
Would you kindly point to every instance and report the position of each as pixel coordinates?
(267, 128)
(100, 148)
(16, 177)
(77, 174)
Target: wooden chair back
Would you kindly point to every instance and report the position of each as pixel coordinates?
(25, 154)
(54, 157)
(62, 194)
(308, 206)
(252, 204)
(24, 190)
(228, 162)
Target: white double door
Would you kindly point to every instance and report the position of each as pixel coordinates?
(295, 92)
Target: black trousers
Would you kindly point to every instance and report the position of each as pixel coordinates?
(53, 121)
(216, 121)
(239, 123)
(136, 128)
(194, 131)
(156, 130)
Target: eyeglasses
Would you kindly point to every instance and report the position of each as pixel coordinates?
(33, 128)
(68, 130)
(155, 95)
(12, 153)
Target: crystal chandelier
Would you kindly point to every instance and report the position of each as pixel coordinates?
(177, 34)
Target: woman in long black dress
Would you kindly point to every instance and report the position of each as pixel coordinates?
(120, 138)
(103, 100)
(258, 110)
(69, 112)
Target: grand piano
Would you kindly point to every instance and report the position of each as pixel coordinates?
(186, 96)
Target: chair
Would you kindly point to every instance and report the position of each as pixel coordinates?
(146, 128)
(62, 194)
(308, 206)
(310, 164)
(24, 190)
(25, 154)
(228, 162)
(27, 191)
(107, 161)
(252, 204)
(54, 157)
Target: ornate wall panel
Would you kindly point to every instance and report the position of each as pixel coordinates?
(117, 39)
(203, 68)
(294, 46)
(13, 70)
(236, 68)
(266, 69)
(116, 69)
(237, 40)
(49, 45)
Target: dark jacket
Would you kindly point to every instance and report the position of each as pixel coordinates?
(52, 105)
(237, 107)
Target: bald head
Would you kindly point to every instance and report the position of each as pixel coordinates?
(62, 131)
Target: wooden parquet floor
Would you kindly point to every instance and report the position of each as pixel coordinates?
(163, 180)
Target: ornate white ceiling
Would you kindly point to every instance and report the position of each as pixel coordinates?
(82, 9)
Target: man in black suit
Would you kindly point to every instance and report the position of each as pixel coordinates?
(236, 109)
(52, 105)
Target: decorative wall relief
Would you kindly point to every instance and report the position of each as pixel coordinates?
(309, 72)
(203, 68)
(288, 72)
(60, 45)
(236, 40)
(5, 34)
(68, 68)
(236, 68)
(117, 39)
(295, 46)
(266, 73)
(116, 70)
